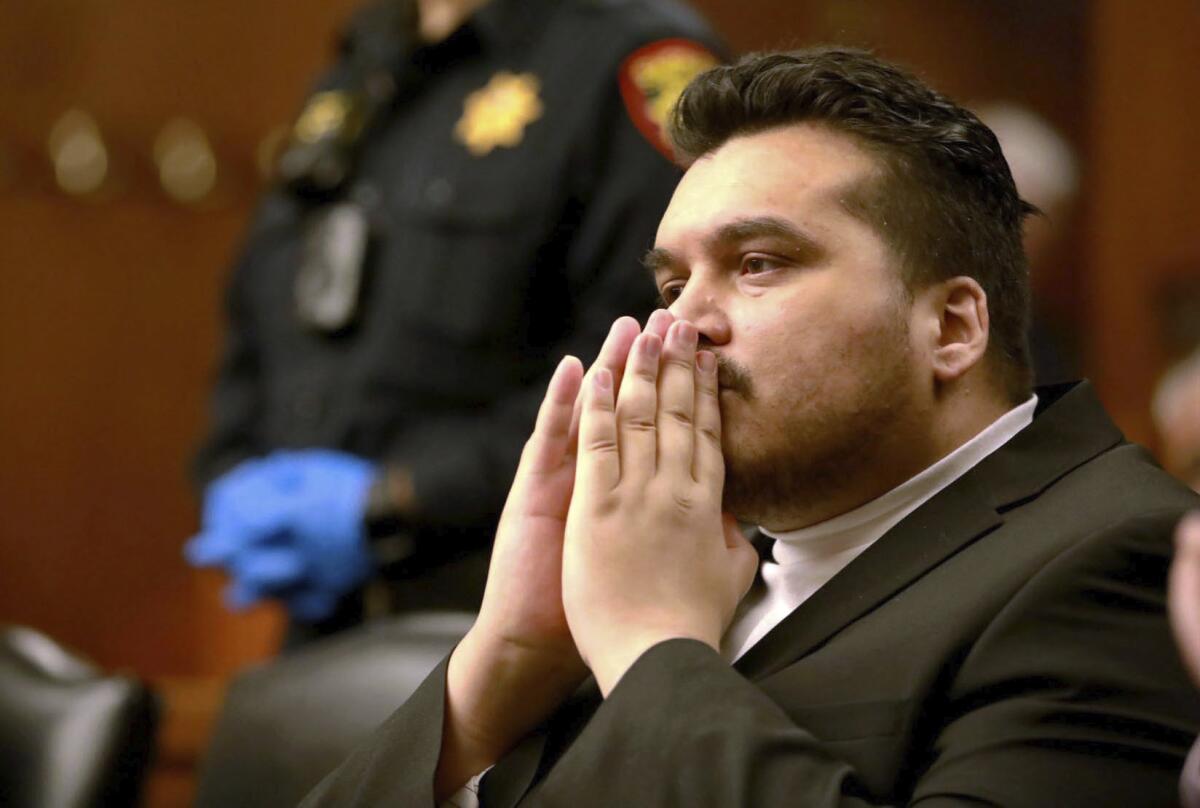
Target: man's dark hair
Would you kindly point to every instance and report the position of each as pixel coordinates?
(945, 204)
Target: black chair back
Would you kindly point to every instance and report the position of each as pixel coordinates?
(70, 737)
(287, 724)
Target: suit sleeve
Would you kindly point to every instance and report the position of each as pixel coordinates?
(462, 466)
(1073, 695)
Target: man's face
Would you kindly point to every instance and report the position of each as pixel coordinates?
(803, 304)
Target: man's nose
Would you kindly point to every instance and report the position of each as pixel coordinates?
(702, 305)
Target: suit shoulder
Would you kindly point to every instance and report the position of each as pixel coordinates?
(1115, 506)
(1121, 483)
(1109, 519)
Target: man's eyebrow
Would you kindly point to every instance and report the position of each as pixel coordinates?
(658, 258)
(766, 227)
(740, 230)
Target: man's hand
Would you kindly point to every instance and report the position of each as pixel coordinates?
(648, 554)
(519, 661)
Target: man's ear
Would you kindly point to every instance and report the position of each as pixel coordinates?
(961, 337)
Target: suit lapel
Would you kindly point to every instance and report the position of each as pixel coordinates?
(1070, 429)
(936, 530)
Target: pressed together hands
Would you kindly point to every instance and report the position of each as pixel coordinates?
(612, 540)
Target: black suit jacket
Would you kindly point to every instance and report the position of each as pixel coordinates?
(1006, 644)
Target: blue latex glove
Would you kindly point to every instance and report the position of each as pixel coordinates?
(289, 525)
(243, 507)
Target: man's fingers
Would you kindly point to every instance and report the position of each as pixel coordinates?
(598, 467)
(615, 351)
(612, 356)
(708, 466)
(637, 409)
(659, 323)
(677, 401)
(743, 559)
(551, 433)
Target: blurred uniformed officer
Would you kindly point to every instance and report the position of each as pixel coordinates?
(463, 200)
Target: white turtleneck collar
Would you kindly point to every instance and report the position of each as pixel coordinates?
(805, 559)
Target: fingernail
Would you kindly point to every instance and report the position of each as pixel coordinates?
(651, 345)
(604, 380)
(686, 332)
(707, 362)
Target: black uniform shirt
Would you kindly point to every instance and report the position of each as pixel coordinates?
(483, 268)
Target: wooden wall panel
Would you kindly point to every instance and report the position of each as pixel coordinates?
(1144, 214)
(108, 334)
(1025, 50)
(109, 315)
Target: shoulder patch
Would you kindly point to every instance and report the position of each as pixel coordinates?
(652, 78)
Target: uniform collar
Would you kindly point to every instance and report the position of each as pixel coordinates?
(509, 26)
(382, 31)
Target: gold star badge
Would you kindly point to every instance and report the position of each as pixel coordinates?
(497, 114)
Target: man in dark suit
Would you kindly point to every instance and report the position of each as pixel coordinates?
(956, 592)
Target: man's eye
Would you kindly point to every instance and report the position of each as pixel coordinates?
(671, 292)
(755, 264)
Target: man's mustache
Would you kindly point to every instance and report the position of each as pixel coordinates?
(734, 377)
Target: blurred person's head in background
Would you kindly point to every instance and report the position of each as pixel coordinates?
(1177, 417)
(1045, 170)
(1176, 404)
(1046, 173)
